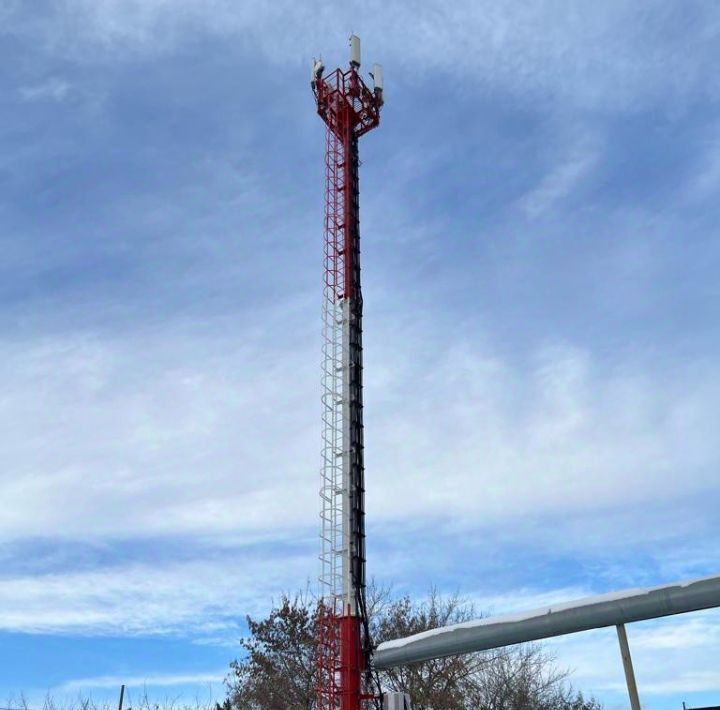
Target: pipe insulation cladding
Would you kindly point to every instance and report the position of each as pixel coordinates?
(568, 618)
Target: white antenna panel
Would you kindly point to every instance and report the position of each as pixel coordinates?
(355, 51)
(377, 75)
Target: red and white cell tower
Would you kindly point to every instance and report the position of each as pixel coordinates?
(349, 109)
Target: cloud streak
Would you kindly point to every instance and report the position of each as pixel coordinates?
(54, 89)
(150, 682)
(204, 598)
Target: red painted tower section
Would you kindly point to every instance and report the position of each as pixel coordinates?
(349, 109)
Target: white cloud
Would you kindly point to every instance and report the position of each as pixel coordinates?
(195, 431)
(520, 600)
(614, 54)
(160, 434)
(55, 89)
(693, 631)
(475, 438)
(176, 432)
(207, 598)
(671, 655)
(565, 175)
(686, 681)
(149, 682)
(706, 182)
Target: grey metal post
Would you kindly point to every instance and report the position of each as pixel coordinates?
(628, 666)
(122, 696)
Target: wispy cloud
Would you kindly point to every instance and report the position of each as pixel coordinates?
(565, 443)
(562, 179)
(149, 428)
(198, 598)
(672, 655)
(149, 682)
(705, 183)
(54, 89)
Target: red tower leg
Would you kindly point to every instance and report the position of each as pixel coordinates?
(351, 662)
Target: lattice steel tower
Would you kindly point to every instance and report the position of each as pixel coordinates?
(349, 109)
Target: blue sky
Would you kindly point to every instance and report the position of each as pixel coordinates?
(541, 250)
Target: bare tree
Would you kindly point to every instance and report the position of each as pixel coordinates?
(517, 678)
(278, 669)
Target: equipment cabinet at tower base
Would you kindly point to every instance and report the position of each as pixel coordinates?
(396, 701)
